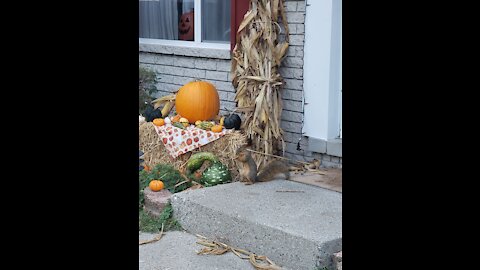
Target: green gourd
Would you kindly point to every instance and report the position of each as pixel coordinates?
(216, 174)
(196, 160)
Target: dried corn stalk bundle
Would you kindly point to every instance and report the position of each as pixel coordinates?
(256, 60)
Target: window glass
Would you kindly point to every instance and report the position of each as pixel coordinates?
(216, 21)
(166, 19)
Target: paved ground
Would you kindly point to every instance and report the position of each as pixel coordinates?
(177, 251)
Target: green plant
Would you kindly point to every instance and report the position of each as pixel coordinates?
(148, 223)
(169, 222)
(146, 88)
(169, 175)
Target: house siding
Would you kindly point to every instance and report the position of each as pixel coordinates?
(173, 71)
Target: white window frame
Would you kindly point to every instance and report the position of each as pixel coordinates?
(197, 43)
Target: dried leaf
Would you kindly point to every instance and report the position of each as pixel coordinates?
(280, 51)
(246, 19)
(259, 102)
(218, 248)
(284, 21)
(155, 239)
(256, 78)
(275, 10)
(159, 101)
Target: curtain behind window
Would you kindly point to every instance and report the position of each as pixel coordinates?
(188, 6)
(216, 20)
(159, 19)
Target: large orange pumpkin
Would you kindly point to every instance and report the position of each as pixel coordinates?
(197, 100)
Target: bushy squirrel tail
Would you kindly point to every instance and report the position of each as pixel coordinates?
(272, 169)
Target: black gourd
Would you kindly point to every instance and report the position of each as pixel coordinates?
(140, 160)
(151, 113)
(232, 121)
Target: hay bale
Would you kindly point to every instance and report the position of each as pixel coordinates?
(224, 148)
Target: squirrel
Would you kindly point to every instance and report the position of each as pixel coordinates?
(248, 169)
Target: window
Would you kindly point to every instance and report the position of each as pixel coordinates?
(198, 21)
(216, 21)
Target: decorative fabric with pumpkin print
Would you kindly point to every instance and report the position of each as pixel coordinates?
(179, 141)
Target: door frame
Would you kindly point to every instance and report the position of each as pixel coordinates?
(322, 69)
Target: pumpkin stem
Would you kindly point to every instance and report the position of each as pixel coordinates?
(230, 112)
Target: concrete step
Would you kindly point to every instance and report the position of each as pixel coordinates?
(337, 261)
(178, 251)
(298, 229)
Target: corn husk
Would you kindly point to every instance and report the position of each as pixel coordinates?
(218, 248)
(257, 56)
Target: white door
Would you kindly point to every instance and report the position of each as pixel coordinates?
(322, 69)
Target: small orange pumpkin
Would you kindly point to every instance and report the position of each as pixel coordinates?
(156, 185)
(176, 118)
(197, 100)
(216, 128)
(146, 168)
(158, 122)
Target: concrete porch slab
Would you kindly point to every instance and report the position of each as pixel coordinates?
(297, 226)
